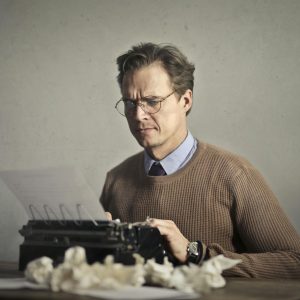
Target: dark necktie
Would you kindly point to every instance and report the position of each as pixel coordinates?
(156, 170)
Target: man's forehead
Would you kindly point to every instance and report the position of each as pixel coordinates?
(147, 79)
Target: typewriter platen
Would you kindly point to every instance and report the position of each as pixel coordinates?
(100, 238)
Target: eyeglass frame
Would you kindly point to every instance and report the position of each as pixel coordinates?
(138, 103)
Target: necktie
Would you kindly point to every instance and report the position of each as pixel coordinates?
(156, 170)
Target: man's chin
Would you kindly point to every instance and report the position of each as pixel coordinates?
(147, 144)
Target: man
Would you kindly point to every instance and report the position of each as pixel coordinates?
(206, 201)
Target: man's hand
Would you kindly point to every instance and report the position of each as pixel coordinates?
(108, 216)
(175, 239)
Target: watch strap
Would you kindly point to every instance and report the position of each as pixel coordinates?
(198, 256)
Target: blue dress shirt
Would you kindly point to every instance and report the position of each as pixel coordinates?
(176, 159)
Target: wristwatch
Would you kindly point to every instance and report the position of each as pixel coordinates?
(193, 252)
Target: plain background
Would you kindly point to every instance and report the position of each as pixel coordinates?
(58, 87)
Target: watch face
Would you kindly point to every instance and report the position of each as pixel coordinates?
(193, 248)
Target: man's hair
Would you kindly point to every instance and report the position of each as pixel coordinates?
(175, 63)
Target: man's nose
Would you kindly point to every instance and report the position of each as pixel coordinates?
(139, 111)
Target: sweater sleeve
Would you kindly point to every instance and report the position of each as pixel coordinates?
(272, 245)
(104, 198)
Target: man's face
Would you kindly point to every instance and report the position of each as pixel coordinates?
(162, 132)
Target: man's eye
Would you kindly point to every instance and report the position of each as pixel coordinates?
(130, 103)
(151, 102)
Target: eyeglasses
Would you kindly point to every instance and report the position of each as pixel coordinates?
(149, 105)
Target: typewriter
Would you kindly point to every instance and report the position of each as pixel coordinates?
(99, 238)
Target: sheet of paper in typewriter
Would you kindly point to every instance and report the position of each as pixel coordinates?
(60, 193)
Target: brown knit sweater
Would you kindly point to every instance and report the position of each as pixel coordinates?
(218, 198)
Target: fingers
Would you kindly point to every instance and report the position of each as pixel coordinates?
(165, 227)
(177, 242)
(108, 216)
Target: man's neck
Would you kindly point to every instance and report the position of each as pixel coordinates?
(160, 152)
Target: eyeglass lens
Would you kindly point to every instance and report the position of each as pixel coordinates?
(126, 107)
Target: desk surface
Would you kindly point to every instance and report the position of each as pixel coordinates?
(235, 289)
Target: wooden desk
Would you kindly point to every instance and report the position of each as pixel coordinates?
(235, 289)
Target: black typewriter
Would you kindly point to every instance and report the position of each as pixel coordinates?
(99, 238)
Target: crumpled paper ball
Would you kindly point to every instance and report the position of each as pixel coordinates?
(75, 273)
(39, 270)
(209, 275)
(75, 256)
(190, 278)
(159, 274)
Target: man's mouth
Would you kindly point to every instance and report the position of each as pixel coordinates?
(144, 130)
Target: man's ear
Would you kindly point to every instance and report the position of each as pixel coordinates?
(187, 97)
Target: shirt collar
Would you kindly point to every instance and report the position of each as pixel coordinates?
(172, 162)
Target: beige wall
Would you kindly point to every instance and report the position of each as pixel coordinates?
(58, 87)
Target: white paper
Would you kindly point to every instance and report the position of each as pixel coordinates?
(131, 293)
(143, 292)
(54, 194)
(19, 283)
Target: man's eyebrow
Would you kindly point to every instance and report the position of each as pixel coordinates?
(128, 99)
(151, 96)
(144, 97)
